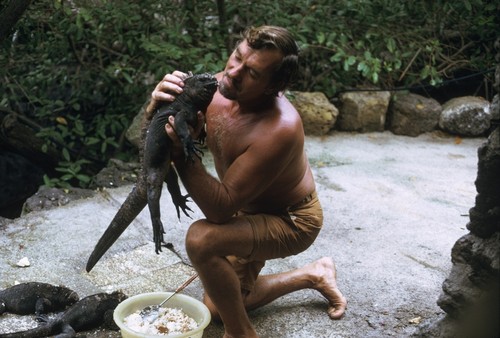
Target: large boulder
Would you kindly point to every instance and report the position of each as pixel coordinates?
(48, 198)
(133, 133)
(317, 113)
(467, 116)
(412, 114)
(471, 296)
(116, 174)
(363, 111)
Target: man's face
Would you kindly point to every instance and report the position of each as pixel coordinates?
(248, 72)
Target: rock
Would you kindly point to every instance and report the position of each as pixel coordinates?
(485, 215)
(412, 114)
(4, 221)
(471, 296)
(466, 116)
(133, 133)
(495, 108)
(363, 111)
(23, 262)
(47, 198)
(317, 113)
(116, 174)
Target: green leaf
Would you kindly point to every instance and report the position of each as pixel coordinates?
(127, 77)
(320, 37)
(425, 72)
(467, 5)
(66, 155)
(362, 66)
(391, 45)
(83, 178)
(337, 56)
(67, 177)
(91, 141)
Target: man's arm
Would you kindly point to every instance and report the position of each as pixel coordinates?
(245, 180)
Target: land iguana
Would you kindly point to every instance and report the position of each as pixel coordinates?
(156, 164)
(88, 313)
(36, 298)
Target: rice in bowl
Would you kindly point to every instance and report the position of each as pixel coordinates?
(170, 321)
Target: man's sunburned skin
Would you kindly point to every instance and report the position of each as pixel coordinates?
(156, 163)
(231, 133)
(86, 314)
(36, 298)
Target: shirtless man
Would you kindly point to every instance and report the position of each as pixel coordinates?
(264, 204)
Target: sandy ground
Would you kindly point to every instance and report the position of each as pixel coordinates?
(394, 206)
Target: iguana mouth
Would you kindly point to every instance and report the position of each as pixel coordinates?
(212, 83)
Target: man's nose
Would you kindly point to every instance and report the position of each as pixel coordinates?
(235, 72)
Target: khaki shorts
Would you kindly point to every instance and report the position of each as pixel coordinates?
(278, 235)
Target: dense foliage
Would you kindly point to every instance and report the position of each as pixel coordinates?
(82, 69)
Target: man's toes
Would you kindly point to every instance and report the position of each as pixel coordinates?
(336, 312)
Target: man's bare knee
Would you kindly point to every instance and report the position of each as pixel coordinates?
(196, 241)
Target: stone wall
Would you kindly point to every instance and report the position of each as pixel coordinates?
(402, 113)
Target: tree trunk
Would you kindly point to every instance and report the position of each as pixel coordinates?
(10, 14)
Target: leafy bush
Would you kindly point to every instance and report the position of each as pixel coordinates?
(83, 72)
(82, 69)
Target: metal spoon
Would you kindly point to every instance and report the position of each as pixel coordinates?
(151, 312)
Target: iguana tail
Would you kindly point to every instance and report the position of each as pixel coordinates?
(129, 210)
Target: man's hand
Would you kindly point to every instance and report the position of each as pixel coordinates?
(166, 91)
(178, 147)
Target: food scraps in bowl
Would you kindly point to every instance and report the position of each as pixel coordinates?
(170, 321)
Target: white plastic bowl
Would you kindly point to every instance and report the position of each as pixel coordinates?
(191, 307)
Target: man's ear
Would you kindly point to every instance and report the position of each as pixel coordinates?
(274, 88)
(269, 91)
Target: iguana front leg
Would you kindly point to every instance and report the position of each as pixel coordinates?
(182, 123)
(40, 309)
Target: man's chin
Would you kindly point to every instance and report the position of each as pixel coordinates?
(226, 92)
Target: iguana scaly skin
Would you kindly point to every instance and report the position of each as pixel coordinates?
(36, 298)
(88, 313)
(155, 156)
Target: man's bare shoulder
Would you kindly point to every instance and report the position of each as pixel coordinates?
(289, 122)
(282, 130)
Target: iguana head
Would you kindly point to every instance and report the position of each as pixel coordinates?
(62, 295)
(200, 89)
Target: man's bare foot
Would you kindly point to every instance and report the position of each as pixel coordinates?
(324, 270)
